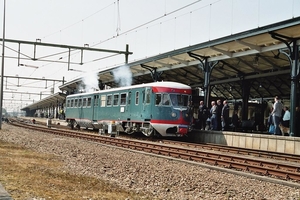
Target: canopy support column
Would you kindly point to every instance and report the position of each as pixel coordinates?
(207, 67)
(293, 57)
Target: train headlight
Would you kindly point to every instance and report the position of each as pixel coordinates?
(173, 114)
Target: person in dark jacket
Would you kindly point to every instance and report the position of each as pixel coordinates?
(202, 115)
(219, 111)
(235, 120)
(225, 116)
(297, 121)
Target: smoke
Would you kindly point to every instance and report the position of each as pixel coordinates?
(89, 82)
(123, 76)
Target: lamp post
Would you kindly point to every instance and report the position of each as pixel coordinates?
(2, 67)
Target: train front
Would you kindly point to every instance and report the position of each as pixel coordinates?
(173, 113)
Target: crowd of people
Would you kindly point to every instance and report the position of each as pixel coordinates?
(279, 119)
(217, 117)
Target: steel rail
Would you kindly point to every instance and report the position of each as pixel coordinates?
(238, 150)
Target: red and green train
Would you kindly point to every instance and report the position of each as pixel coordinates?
(158, 108)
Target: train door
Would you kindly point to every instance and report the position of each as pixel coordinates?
(123, 105)
(80, 109)
(95, 107)
(147, 106)
(128, 105)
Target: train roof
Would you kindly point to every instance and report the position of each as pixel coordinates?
(168, 84)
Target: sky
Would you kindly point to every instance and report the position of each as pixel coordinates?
(148, 27)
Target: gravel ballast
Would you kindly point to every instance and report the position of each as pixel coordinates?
(162, 178)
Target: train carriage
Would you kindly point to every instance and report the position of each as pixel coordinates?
(154, 108)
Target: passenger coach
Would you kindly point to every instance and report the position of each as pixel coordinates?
(152, 108)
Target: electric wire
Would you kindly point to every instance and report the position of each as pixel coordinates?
(71, 25)
(151, 21)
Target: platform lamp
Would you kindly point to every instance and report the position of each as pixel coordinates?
(2, 67)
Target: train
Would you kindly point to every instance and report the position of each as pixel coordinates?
(154, 109)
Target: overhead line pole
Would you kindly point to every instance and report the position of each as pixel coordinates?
(2, 67)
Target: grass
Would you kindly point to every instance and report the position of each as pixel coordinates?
(26, 174)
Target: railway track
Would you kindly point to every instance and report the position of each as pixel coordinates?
(247, 160)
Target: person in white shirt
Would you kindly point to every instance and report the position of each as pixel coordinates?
(286, 117)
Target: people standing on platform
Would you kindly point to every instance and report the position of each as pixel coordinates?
(235, 120)
(297, 122)
(225, 116)
(213, 114)
(191, 112)
(270, 123)
(286, 117)
(202, 115)
(277, 114)
(219, 111)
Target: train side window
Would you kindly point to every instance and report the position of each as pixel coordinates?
(129, 98)
(89, 101)
(137, 98)
(68, 103)
(166, 100)
(123, 99)
(116, 99)
(157, 99)
(96, 100)
(75, 103)
(103, 100)
(109, 100)
(84, 102)
(72, 103)
(79, 103)
(147, 95)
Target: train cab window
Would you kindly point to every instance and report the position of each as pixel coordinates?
(96, 100)
(137, 98)
(116, 99)
(179, 100)
(123, 99)
(157, 99)
(147, 95)
(89, 101)
(165, 100)
(72, 103)
(109, 100)
(79, 103)
(84, 102)
(103, 100)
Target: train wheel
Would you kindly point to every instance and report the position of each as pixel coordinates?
(129, 130)
(71, 124)
(149, 132)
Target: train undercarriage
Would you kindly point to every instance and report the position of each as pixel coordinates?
(128, 127)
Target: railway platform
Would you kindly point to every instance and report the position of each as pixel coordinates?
(253, 140)
(4, 194)
(46, 120)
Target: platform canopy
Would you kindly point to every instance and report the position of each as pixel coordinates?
(256, 55)
(50, 101)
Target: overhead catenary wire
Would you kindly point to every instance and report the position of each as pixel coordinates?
(149, 22)
(78, 22)
(118, 31)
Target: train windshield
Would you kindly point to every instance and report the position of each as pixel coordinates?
(179, 99)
